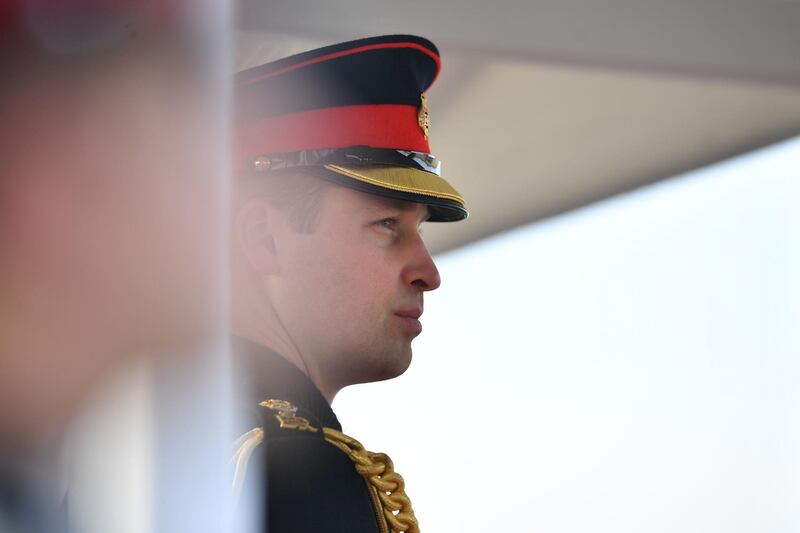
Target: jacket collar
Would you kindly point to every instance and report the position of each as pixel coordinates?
(267, 375)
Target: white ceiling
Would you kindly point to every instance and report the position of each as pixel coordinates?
(542, 107)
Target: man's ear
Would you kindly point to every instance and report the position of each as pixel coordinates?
(254, 227)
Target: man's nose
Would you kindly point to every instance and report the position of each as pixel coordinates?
(421, 272)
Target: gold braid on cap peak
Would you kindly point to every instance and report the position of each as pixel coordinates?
(387, 488)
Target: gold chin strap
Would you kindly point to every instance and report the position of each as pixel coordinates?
(386, 486)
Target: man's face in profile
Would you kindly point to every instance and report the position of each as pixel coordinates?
(352, 290)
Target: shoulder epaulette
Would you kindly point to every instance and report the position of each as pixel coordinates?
(280, 419)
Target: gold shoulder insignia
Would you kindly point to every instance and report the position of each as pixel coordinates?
(287, 415)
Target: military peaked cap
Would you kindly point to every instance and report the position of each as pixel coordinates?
(354, 113)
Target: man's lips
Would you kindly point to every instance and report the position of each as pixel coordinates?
(414, 313)
(409, 318)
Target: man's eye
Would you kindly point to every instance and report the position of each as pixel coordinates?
(387, 223)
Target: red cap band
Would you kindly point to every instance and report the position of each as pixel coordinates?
(378, 126)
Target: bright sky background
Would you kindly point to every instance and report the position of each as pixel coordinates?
(632, 366)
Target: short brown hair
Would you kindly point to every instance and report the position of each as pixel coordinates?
(296, 193)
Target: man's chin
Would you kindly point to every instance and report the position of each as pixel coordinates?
(392, 365)
(404, 361)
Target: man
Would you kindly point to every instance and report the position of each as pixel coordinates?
(330, 269)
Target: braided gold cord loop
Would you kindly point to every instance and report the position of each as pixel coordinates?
(378, 471)
(243, 449)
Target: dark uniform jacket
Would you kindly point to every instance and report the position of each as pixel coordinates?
(307, 483)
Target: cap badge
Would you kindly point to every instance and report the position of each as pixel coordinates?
(423, 119)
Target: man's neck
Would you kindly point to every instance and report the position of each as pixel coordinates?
(288, 351)
(258, 322)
